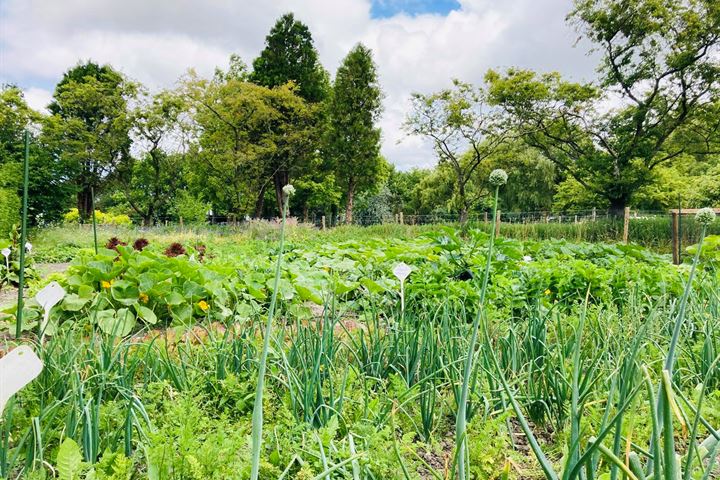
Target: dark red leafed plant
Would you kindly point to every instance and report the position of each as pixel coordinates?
(114, 243)
(175, 249)
(140, 244)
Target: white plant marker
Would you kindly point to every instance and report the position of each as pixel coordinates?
(28, 247)
(18, 368)
(6, 254)
(401, 271)
(48, 297)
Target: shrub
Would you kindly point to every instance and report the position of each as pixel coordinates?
(73, 217)
(9, 210)
(190, 208)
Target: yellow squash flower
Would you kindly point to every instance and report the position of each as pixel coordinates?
(106, 284)
(144, 298)
(203, 305)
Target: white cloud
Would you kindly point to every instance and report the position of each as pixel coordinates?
(38, 98)
(156, 41)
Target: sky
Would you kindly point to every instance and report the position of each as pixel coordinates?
(418, 45)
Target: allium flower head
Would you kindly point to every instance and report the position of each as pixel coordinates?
(705, 216)
(5, 252)
(289, 190)
(498, 177)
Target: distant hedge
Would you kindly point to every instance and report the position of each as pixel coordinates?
(9, 210)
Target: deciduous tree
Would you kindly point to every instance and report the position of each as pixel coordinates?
(658, 71)
(463, 132)
(89, 126)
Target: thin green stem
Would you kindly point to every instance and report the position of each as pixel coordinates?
(257, 418)
(461, 420)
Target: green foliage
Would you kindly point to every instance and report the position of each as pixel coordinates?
(69, 460)
(657, 56)
(290, 56)
(149, 182)
(353, 383)
(89, 127)
(9, 209)
(190, 208)
(73, 217)
(250, 135)
(353, 140)
(463, 133)
(10, 265)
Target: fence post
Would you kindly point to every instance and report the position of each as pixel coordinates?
(181, 223)
(322, 219)
(402, 219)
(676, 237)
(626, 225)
(497, 224)
(594, 214)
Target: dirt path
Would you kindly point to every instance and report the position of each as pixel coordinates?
(8, 295)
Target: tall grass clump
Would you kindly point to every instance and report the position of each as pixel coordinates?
(257, 417)
(628, 379)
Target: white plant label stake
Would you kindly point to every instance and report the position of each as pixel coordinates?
(18, 368)
(6, 254)
(401, 271)
(48, 297)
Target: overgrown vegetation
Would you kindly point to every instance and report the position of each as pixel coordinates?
(163, 353)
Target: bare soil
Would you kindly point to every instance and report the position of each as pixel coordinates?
(8, 294)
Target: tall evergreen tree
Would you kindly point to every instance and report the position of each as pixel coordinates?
(290, 56)
(353, 138)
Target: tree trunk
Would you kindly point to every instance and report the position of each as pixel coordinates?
(617, 207)
(349, 204)
(84, 204)
(148, 218)
(463, 215)
(280, 179)
(260, 202)
(463, 200)
(333, 214)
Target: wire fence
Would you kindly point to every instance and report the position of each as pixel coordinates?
(653, 229)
